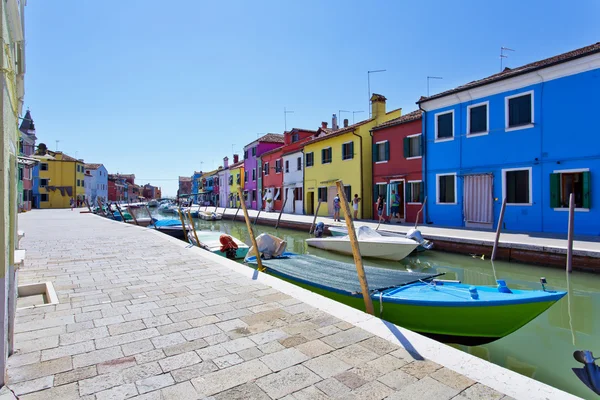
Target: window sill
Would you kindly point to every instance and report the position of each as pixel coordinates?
(472, 135)
(415, 204)
(347, 159)
(381, 162)
(445, 204)
(443, 140)
(518, 128)
(414, 158)
(576, 209)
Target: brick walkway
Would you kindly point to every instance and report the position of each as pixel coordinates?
(143, 317)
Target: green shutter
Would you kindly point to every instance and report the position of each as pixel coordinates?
(351, 149)
(387, 151)
(408, 190)
(421, 192)
(375, 193)
(554, 190)
(322, 156)
(420, 145)
(375, 153)
(406, 147)
(586, 190)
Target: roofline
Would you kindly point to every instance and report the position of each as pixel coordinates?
(380, 127)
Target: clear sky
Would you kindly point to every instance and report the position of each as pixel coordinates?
(163, 88)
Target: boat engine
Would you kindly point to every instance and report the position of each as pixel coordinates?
(415, 234)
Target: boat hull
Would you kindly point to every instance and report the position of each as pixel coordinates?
(336, 231)
(210, 241)
(384, 250)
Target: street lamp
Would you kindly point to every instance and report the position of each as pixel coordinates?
(369, 84)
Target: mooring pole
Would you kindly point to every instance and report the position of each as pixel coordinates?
(570, 234)
(193, 227)
(250, 231)
(355, 250)
(281, 212)
(257, 215)
(133, 216)
(185, 236)
(498, 229)
(419, 213)
(119, 210)
(315, 218)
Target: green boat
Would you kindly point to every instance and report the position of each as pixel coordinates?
(211, 241)
(448, 311)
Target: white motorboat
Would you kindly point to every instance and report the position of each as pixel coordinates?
(370, 243)
(413, 234)
(210, 215)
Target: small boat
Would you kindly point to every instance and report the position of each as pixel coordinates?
(210, 215)
(413, 234)
(448, 311)
(171, 227)
(142, 221)
(152, 203)
(127, 216)
(370, 243)
(215, 243)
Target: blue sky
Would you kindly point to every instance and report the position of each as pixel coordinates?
(161, 89)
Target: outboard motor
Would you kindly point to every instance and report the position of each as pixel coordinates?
(590, 373)
(319, 229)
(415, 234)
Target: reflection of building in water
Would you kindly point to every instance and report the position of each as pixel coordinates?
(583, 305)
(521, 367)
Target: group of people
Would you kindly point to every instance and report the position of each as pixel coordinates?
(337, 206)
(394, 211)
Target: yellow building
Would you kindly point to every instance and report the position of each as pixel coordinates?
(236, 179)
(61, 178)
(343, 154)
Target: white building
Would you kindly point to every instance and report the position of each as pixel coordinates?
(224, 184)
(293, 182)
(96, 183)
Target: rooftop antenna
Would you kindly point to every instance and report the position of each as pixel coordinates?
(285, 113)
(353, 113)
(369, 83)
(429, 78)
(340, 113)
(503, 56)
(57, 141)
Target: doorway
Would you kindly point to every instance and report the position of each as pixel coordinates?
(398, 188)
(310, 203)
(479, 201)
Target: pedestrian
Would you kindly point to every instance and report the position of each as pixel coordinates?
(355, 202)
(336, 208)
(395, 206)
(380, 205)
(72, 203)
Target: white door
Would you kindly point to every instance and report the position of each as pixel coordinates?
(479, 200)
(289, 200)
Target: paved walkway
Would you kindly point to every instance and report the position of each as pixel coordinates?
(141, 316)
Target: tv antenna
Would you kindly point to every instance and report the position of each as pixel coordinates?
(285, 113)
(503, 56)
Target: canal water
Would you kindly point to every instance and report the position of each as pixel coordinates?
(542, 349)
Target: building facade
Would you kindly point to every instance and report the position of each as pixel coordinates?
(60, 179)
(26, 163)
(95, 183)
(185, 186)
(397, 165)
(252, 170)
(293, 169)
(514, 136)
(272, 179)
(343, 154)
(196, 184)
(117, 188)
(236, 180)
(151, 192)
(224, 183)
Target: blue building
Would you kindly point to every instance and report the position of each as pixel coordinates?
(526, 134)
(196, 185)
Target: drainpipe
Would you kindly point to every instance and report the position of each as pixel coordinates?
(362, 203)
(423, 151)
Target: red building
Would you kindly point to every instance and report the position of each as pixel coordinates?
(397, 165)
(116, 188)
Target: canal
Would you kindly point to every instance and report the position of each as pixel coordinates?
(542, 349)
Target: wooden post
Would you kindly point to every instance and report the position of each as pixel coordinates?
(257, 215)
(315, 218)
(133, 216)
(570, 233)
(236, 213)
(250, 231)
(419, 213)
(119, 210)
(498, 229)
(185, 236)
(150, 215)
(193, 227)
(281, 212)
(87, 203)
(355, 249)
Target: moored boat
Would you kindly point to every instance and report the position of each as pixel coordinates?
(447, 311)
(210, 215)
(220, 243)
(413, 234)
(152, 203)
(171, 227)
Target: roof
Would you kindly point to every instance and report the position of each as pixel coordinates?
(27, 124)
(236, 165)
(272, 151)
(92, 166)
(271, 138)
(411, 116)
(185, 179)
(65, 157)
(512, 72)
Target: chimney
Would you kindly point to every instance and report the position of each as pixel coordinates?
(236, 158)
(334, 124)
(345, 122)
(377, 106)
(324, 125)
(226, 162)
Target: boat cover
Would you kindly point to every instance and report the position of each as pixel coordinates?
(337, 275)
(167, 222)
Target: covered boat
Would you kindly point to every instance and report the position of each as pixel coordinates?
(447, 311)
(171, 227)
(210, 215)
(221, 244)
(371, 244)
(413, 234)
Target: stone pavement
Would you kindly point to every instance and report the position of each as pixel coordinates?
(141, 316)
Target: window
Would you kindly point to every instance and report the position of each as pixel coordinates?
(414, 192)
(20, 174)
(287, 165)
(277, 166)
(412, 146)
(298, 193)
(43, 182)
(477, 119)
(322, 194)
(253, 151)
(517, 186)
(253, 174)
(43, 167)
(254, 195)
(266, 169)
(78, 182)
(295, 137)
(381, 151)
(245, 154)
(519, 110)
(310, 159)
(245, 176)
(326, 156)
(444, 126)
(44, 197)
(348, 192)
(446, 189)
(299, 164)
(563, 183)
(348, 151)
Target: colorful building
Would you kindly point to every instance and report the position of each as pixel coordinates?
(293, 169)
(60, 179)
(26, 163)
(151, 192)
(224, 183)
(272, 179)
(343, 153)
(524, 135)
(397, 165)
(196, 184)
(236, 179)
(185, 186)
(95, 183)
(252, 170)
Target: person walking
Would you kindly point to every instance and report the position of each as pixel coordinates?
(380, 206)
(395, 206)
(72, 203)
(336, 208)
(355, 202)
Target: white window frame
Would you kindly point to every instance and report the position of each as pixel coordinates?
(411, 202)
(299, 159)
(416, 157)
(435, 120)
(518, 128)
(377, 144)
(570, 171)
(487, 119)
(437, 189)
(345, 159)
(504, 171)
(322, 187)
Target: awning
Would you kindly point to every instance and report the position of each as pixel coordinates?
(26, 161)
(63, 189)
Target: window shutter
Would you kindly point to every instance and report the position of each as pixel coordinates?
(387, 151)
(375, 194)
(351, 150)
(406, 147)
(421, 192)
(420, 138)
(408, 190)
(375, 153)
(586, 189)
(322, 156)
(554, 190)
